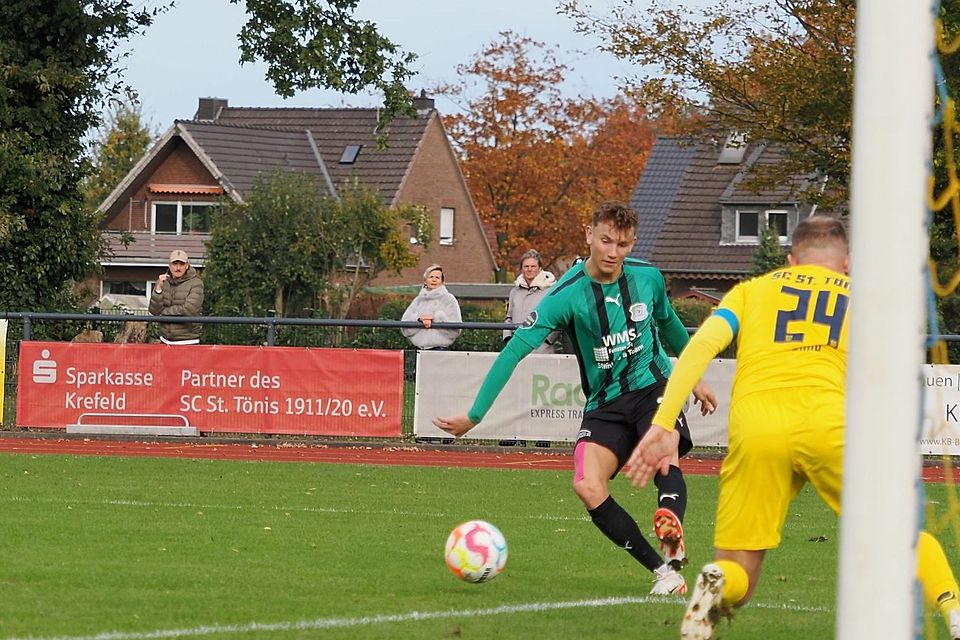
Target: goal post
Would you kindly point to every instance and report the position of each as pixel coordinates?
(891, 146)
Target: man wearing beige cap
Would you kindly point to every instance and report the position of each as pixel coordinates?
(178, 292)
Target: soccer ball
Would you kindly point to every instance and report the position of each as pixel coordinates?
(476, 551)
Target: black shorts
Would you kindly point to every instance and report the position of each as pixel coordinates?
(619, 425)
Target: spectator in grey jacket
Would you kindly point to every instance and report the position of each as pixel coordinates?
(178, 292)
(433, 304)
(530, 288)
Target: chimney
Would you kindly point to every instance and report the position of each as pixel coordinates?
(423, 104)
(210, 108)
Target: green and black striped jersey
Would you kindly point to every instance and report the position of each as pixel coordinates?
(616, 330)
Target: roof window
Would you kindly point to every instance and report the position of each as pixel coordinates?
(350, 153)
(733, 149)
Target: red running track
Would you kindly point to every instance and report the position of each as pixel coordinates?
(340, 454)
(413, 455)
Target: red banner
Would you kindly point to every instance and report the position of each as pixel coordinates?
(227, 389)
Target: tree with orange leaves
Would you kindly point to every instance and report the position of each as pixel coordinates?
(537, 163)
(779, 71)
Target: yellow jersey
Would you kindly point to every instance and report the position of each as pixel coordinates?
(791, 331)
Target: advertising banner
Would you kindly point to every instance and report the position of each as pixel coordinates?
(542, 401)
(941, 414)
(270, 390)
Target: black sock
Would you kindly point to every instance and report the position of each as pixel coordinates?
(672, 491)
(616, 524)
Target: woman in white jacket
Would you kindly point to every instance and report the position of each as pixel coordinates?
(433, 304)
(530, 288)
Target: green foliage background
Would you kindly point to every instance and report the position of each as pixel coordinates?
(56, 67)
(769, 254)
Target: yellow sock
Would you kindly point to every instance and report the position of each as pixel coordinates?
(735, 582)
(933, 571)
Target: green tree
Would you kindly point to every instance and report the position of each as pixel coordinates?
(288, 250)
(769, 254)
(56, 66)
(124, 139)
(363, 238)
(320, 43)
(267, 253)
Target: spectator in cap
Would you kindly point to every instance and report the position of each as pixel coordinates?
(178, 292)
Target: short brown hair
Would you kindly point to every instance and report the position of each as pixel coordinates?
(620, 215)
(819, 231)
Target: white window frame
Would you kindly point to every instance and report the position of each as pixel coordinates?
(179, 204)
(786, 218)
(447, 217)
(763, 219)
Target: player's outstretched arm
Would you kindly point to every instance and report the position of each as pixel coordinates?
(652, 453)
(454, 425)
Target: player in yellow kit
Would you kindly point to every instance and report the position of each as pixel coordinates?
(786, 424)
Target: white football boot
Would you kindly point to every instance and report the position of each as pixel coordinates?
(668, 582)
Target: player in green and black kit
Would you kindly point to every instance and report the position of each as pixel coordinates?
(615, 311)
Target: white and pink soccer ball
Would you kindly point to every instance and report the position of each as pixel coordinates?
(476, 551)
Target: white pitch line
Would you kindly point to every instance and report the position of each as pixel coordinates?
(413, 616)
(240, 507)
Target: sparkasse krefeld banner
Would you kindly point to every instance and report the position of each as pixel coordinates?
(277, 390)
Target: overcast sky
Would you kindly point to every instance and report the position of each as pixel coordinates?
(192, 51)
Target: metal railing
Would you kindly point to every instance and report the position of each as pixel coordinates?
(271, 323)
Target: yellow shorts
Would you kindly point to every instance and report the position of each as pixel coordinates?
(779, 440)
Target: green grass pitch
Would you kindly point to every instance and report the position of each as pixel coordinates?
(137, 548)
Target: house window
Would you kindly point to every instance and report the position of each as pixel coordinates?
(182, 217)
(125, 287)
(195, 218)
(777, 220)
(749, 224)
(165, 218)
(446, 225)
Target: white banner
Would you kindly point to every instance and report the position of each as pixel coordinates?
(941, 410)
(542, 401)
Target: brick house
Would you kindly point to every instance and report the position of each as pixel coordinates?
(700, 220)
(166, 199)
